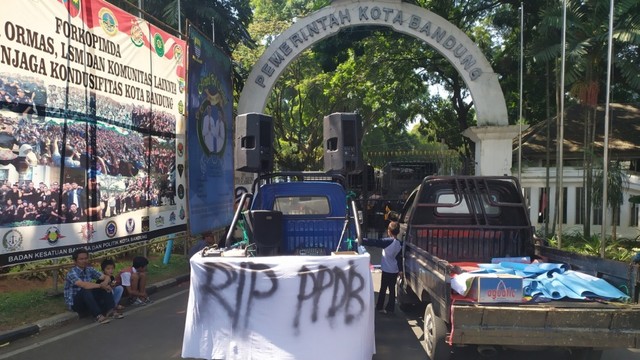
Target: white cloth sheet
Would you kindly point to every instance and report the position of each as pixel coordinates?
(281, 307)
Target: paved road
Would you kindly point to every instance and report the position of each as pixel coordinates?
(155, 332)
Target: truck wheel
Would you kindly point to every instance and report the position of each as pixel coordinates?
(585, 354)
(406, 298)
(435, 333)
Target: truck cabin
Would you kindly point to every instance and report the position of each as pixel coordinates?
(470, 219)
(401, 176)
(300, 214)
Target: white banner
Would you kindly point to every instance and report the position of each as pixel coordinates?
(91, 129)
(282, 307)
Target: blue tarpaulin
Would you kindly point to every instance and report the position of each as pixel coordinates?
(549, 280)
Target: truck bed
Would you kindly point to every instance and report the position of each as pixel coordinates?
(569, 323)
(556, 323)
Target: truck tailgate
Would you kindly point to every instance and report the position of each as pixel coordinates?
(558, 323)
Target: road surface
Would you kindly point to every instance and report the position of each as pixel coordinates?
(155, 332)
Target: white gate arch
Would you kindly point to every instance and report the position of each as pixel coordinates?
(405, 18)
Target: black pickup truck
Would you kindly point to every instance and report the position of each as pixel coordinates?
(472, 219)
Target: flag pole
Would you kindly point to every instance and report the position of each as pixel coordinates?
(521, 70)
(560, 167)
(179, 20)
(605, 166)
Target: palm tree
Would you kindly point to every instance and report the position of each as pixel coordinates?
(586, 49)
(617, 185)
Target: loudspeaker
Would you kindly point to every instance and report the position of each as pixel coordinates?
(264, 227)
(342, 133)
(254, 143)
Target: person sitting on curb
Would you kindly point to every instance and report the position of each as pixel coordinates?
(108, 267)
(134, 280)
(82, 294)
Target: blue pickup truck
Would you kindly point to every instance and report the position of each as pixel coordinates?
(297, 213)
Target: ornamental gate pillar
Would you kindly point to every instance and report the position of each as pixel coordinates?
(493, 148)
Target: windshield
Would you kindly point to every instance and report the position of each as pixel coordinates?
(302, 205)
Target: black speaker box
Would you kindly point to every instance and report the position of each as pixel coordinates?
(265, 228)
(254, 143)
(342, 133)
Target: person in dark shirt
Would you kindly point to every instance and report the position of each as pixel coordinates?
(55, 216)
(93, 207)
(30, 212)
(73, 213)
(19, 213)
(9, 212)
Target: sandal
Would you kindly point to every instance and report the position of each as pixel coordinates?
(101, 319)
(117, 315)
(119, 307)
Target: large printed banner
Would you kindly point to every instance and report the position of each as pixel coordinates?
(209, 135)
(280, 307)
(91, 129)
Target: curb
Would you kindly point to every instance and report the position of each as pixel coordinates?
(65, 318)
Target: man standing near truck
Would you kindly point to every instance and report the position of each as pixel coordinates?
(390, 264)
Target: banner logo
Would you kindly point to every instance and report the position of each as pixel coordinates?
(197, 48)
(158, 43)
(137, 36)
(53, 235)
(130, 225)
(111, 229)
(108, 21)
(12, 240)
(177, 53)
(180, 169)
(73, 7)
(160, 221)
(181, 191)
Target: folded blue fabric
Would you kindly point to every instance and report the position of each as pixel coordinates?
(555, 281)
(590, 286)
(555, 289)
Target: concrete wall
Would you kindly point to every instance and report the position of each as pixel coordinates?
(533, 181)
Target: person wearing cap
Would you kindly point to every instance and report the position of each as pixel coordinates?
(26, 151)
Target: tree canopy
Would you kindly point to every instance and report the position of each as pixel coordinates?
(397, 83)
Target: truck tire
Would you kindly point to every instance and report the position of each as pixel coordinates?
(585, 354)
(406, 298)
(435, 334)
